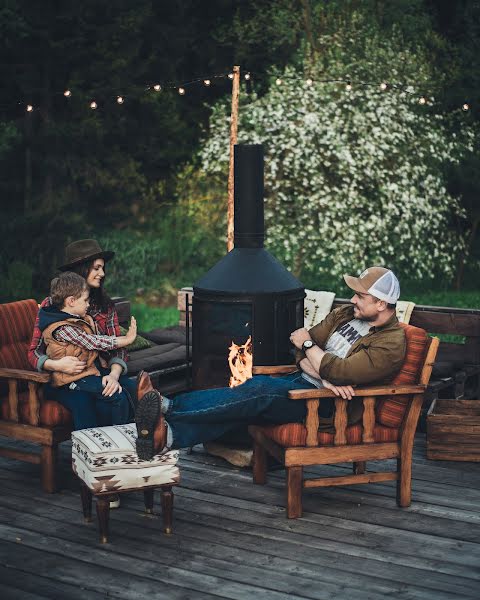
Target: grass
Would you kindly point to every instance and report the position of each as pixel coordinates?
(151, 317)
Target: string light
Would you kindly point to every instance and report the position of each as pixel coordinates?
(157, 87)
(207, 82)
(422, 100)
(278, 81)
(465, 107)
(247, 76)
(120, 100)
(93, 105)
(383, 86)
(67, 93)
(309, 81)
(348, 87)
(230, 75)
(29, 108)
(181, 91)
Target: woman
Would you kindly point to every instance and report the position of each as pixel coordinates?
(86, 258)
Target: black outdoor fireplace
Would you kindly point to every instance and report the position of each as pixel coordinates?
(247, 293)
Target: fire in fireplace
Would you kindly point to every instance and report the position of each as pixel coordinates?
(248, 293)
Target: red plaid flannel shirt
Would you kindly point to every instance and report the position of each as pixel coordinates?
(107, 324)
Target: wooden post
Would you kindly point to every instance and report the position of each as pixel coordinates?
(233, 141)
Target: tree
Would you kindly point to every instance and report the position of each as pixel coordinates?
(353, 177)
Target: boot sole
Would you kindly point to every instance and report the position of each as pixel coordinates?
(148, 412)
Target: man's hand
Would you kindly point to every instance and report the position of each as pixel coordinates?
(110, 385)
(345, 391)
(70, 365)
(298, 336)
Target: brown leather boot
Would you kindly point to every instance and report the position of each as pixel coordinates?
(144, 384)
(151, 427)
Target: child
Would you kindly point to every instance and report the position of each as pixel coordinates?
(67, 330)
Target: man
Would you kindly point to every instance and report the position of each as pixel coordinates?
(360, 343)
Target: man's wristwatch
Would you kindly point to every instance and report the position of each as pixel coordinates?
(307, 344)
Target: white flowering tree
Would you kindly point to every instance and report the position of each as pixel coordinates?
(351, 177)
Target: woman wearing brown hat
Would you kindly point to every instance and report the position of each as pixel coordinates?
(86, 258)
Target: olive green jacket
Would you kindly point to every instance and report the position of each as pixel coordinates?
(374, 358)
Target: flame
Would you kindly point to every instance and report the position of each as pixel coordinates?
(240, 359)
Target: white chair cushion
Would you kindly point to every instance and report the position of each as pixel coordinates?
(106, 461)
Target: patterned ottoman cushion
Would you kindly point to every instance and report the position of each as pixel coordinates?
(106, 461)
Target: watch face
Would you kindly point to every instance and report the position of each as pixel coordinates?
(307, 344)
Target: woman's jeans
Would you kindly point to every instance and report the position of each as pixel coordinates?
(205, 415)
(87, 405)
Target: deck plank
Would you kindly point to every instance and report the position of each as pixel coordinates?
(231, 538)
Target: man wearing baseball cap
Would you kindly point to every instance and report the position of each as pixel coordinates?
(356, 344)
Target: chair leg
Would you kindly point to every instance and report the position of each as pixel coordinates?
(103, 509)
(86, 496)
(167, 508)
(148, 498)
(49, 463)
(404, 481)
(360, 467)
(294, 492)
(259, 464)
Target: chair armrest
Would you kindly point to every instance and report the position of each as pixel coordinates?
(24, 375)
(377, 390)
(274, 369)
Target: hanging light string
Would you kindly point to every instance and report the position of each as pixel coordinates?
(121, 95)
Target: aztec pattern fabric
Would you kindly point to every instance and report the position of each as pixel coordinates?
(104, 458)
(295, 434)
(390, 411)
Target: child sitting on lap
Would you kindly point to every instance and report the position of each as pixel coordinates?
(67, 330)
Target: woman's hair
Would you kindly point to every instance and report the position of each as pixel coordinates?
(99, 298)
(65, 285)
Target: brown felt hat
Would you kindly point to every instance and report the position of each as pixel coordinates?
(83, 251)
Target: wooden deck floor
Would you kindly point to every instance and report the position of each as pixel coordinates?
(231, 538)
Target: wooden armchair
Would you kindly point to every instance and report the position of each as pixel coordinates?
(387, 430)
(25, 415)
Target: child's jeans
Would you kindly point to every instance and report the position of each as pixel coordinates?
(83, 398)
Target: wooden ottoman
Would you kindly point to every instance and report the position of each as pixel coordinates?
(105, 460)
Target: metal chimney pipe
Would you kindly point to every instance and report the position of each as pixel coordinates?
(249, 231)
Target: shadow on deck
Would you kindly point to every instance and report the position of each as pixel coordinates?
(231, 538)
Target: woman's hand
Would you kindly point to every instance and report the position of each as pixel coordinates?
(110, 385)
(70, 365)
(345, 391)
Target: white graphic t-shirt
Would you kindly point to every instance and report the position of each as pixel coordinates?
(341, 341)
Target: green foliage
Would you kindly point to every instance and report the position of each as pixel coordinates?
(16, 281)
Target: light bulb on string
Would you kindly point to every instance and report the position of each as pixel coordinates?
(120, 99)
(230, 75)
(93, 105)
(207, 82)
(157, 87)
(181, 91)
(278, 81)
(348, 87)
(309, 81)
(422, 100)
(29, 108)
(465, 107)
(67, 93)
(247, 76)
(383, 86)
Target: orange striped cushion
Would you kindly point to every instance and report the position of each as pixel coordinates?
(51, 413)
(295, 434)
(390, 411)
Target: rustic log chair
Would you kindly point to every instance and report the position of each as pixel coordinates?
(390, 417)
(25, 414)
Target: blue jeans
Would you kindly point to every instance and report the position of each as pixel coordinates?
(87, 405)
(205, 415)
